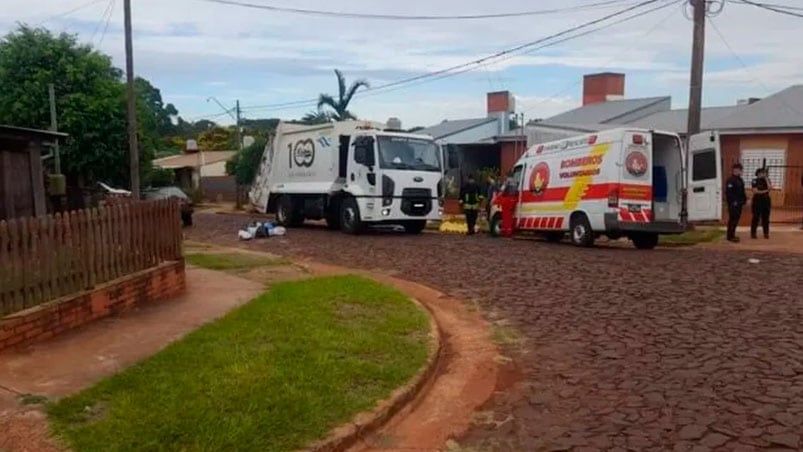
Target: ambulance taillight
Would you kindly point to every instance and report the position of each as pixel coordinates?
(638, 139)
(613, 198)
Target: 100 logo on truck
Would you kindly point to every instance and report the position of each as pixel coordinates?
(302, 153)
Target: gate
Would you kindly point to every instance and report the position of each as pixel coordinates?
(787, 182)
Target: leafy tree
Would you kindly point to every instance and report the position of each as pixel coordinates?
(245, 164)
(340, 105)
(90, 98)
(159, 115)
(218, 139)
(160, 177)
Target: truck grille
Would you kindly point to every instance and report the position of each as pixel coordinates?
(416, 202)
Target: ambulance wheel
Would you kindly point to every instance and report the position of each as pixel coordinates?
(581, 232)
(287, 214)
(645, 241)
(414, 227)
(495, 226)
(350, 222)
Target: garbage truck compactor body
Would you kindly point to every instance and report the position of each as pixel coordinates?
(630, 183)
(350, 173)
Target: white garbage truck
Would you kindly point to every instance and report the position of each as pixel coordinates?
(352, 174)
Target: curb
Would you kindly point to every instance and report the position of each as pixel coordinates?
(364, 424)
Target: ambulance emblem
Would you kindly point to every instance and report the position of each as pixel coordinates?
(636, 163)
(539, 179)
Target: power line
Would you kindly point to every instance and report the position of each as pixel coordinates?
(67, 13)
(745, 66)
(104, 17)
(774, 8)
(465, 67)
(618, 55)
(108, 19)
(347, 15)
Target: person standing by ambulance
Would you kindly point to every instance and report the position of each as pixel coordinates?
(761, 203)
(736, 199)
(470, 197)
(490, 191)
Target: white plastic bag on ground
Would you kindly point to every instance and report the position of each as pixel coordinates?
(278, 231)
(244, 235)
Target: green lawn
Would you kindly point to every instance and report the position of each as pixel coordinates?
(273, 375)
(231, 261)
(693, 237)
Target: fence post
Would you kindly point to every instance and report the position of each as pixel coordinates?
(5, 263)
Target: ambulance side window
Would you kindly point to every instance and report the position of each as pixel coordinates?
(514, 180)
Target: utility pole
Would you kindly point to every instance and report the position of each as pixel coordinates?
(133, 147)
(697, 64)
(239, 131)
(54, 127)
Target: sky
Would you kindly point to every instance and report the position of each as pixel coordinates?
(195, 49)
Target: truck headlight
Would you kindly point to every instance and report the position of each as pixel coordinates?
(388, 187)
(385, 212)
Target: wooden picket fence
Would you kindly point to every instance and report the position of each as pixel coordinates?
(44, 258)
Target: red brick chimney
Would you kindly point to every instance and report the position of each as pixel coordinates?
(603, 87)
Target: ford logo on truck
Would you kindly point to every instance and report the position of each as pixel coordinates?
(304, 153)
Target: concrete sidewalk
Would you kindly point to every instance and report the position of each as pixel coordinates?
(76, 360)
(783, 239)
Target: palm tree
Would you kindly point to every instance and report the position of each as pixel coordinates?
(340, 105)
(315, 117)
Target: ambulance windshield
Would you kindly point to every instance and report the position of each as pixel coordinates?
(408, 154)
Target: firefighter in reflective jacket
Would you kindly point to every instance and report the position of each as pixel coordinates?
(470, 197)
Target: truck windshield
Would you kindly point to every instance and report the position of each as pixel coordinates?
(408, 154)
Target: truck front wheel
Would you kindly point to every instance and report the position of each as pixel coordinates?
(645, 241)
(350, 222)
(495, 226)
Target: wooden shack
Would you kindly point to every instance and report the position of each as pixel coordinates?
(22, 178)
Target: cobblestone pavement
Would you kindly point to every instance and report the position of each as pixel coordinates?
(676, 349)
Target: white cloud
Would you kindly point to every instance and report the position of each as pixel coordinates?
(191, 47)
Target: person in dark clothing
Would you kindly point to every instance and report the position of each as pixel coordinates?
(489, 196)
(470, 197)
(761, 203)
(736, 199)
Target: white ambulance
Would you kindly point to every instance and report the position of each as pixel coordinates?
(619, 183)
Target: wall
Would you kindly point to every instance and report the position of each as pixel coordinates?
(214, 169)
(223, 188)
(113, 298)
(510, 152)
(791, 197)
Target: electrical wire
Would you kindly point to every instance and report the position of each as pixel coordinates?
(774, 8)
(108, 19)
(104, 17)
(745, 66)
(67, 13)
(346, 15)
(465, 67)
(618, 55)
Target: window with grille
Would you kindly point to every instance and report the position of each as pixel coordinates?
(773, 159)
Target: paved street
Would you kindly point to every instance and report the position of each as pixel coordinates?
(662, 350)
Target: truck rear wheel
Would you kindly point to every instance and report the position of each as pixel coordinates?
(287, 214)
(645, 241)
(414, 227)
(581, 232)
(350, 221)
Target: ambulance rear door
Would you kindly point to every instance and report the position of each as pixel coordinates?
(704, 178)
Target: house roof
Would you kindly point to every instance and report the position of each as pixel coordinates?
(604, 112)
(193, 160)
(677, 120)
(23, 132)
(448, 128)
(781, 110)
